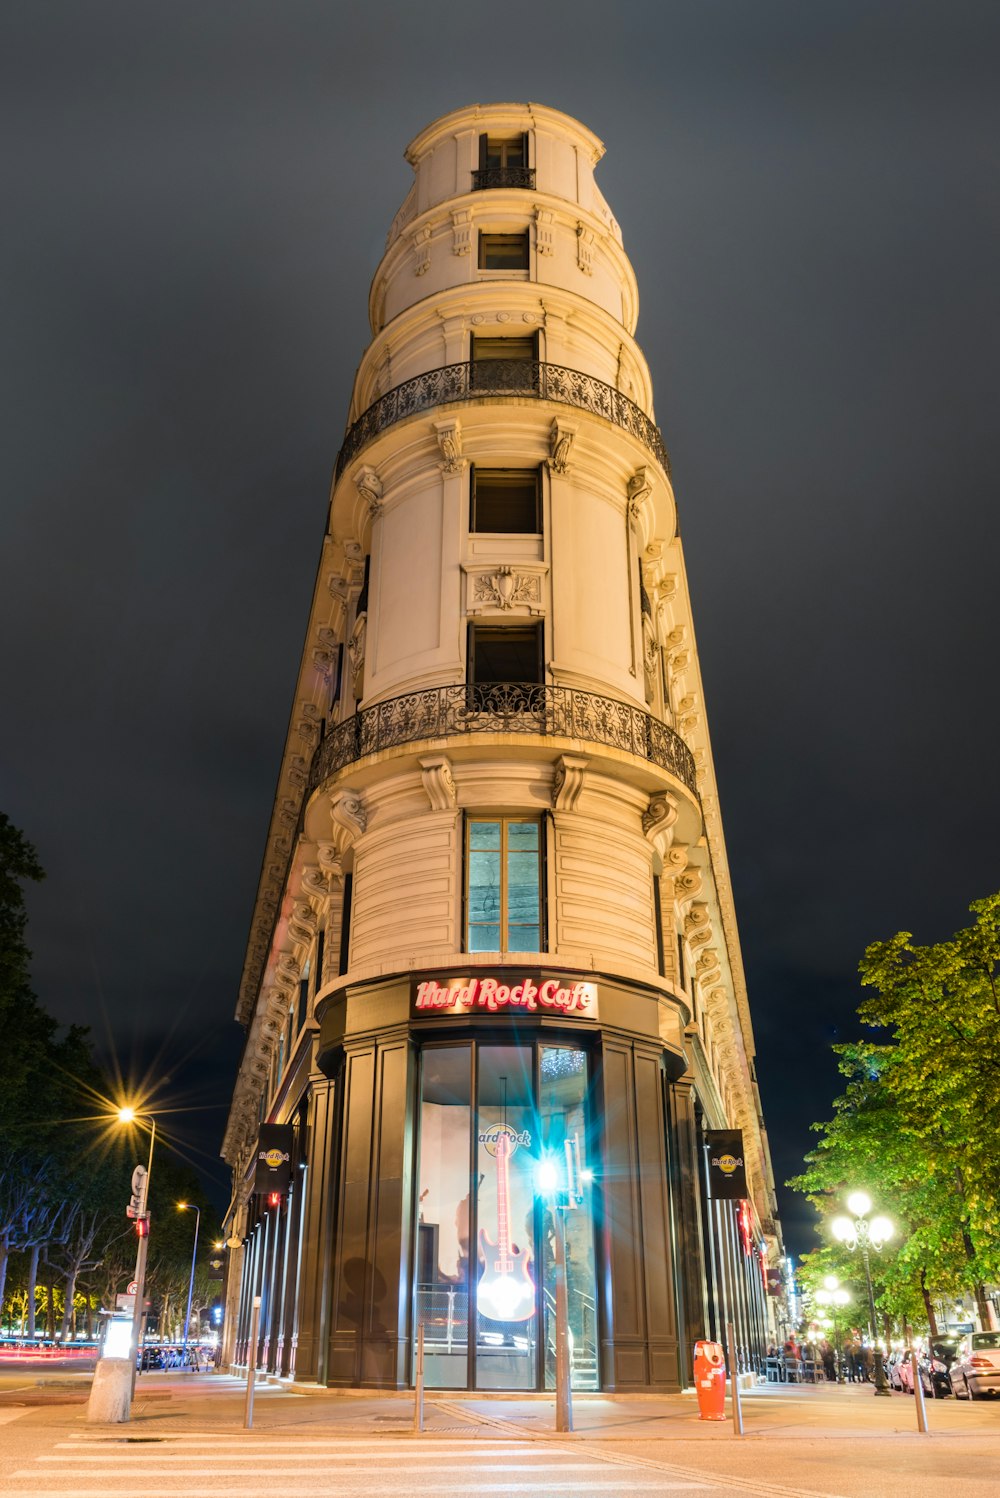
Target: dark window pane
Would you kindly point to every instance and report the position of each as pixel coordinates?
(484, 835)
(505, 501)
(503, 348)
(502, 655)
(444, 1226)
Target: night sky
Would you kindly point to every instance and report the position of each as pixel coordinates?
(194, 200)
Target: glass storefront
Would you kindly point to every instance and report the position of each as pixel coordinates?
(485, 1236)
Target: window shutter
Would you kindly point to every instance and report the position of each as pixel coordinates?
(482, 153)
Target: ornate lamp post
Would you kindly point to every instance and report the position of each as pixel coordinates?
(856, 1232)
(833, 1296)
(188, 1207)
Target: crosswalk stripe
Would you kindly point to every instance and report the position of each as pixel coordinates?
(179, 1459)
(163, 1470)
(328, 1490)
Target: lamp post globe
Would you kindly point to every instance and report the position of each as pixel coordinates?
(858, 1234)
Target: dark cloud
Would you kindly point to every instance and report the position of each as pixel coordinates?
(194, 201)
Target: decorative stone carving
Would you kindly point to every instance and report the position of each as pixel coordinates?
(315, 882)
(504, 589)
(638, 489)
(585, 249)
(298, 772)
(435, 772)
(422, 250)
(707, 965)
(369, 486)
(568, 783)
(449, 437)
(659, 816)
(330, 860)
(687, 885)
(561, 437)
(461, 231)
(350, 818)
(697, 925)
(544, 234)
(675, 859)
(307, 726)
(287, 971)
(356, 650)
(302, 924)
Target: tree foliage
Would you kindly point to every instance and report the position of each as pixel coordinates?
(918, 1122)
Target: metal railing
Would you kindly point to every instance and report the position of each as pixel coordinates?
(501, 377)
(510, 707)
(503, 176)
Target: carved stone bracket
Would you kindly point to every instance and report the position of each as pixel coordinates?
(435, 772)
(302, 924)
(707, 966)
(369, 486)
(349, 816)
(307, 726)
(449, 437)
(461, 231)
(561, 438)
(356, 650)
(639, 489)
(315, 883)
(287, 971)
(687, 886)
(544, 235)
(697, 925)
(569, 778)
(330, 860)
(422, 250)
(658, 819)
(585, 249)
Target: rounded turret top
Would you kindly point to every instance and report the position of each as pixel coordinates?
(504, 191)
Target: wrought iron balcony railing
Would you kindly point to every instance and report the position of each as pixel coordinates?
(512, 707)
(501, 377)
(504, 176)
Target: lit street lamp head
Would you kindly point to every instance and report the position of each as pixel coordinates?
(860, 1203)
(126, 1115)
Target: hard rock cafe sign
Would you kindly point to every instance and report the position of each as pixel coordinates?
(519, 994)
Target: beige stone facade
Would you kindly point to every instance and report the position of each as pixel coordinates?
(500, 636)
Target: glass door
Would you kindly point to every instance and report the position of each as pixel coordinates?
(506, 1292)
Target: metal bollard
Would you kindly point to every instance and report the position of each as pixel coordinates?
(251, 1364)
(418, 1382)
(734, 1376)
(918, 1396)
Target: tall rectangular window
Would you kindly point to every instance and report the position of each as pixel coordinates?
(503, 872)
(505, 501)
(507, 153)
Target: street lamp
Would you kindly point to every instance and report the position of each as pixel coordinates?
(189, 1207)
(833, 1296)
(562, 1184)
(856, 1232)
(140, 1197)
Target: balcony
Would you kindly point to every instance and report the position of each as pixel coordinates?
(503, 176)
(507, 708)
(520, 378)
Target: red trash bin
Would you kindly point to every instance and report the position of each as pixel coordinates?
(710, 1380)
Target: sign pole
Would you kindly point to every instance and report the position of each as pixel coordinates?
(251, 1364)
(735, 1379)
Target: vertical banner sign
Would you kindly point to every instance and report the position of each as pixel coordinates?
(274, 1154)
(727, 1177)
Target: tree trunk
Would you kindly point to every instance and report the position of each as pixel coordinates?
(4, 1256)
(70, 1293)
(50, 1309)
(928, 1304)
(32, 1285)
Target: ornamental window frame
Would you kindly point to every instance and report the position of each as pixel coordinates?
(504, 821)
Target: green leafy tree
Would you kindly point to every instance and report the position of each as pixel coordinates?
(917, 1124)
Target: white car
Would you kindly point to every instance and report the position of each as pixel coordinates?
(976, 1370)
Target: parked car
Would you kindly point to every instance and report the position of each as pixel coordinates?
(976, 1370)
(935, 1364)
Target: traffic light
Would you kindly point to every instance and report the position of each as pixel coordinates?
(274, 1200)
(142, 1227)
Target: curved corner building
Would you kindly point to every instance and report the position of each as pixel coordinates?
(494, 971)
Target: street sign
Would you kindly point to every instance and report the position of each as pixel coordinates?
(125, 1302)
(133, 1288)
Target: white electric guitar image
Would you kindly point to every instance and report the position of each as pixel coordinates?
(506, 1289)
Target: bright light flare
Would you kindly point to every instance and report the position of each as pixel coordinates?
(860, 1203)
(831, 1282)
(842, 1229)
(881, 1229)
(126, 1115)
